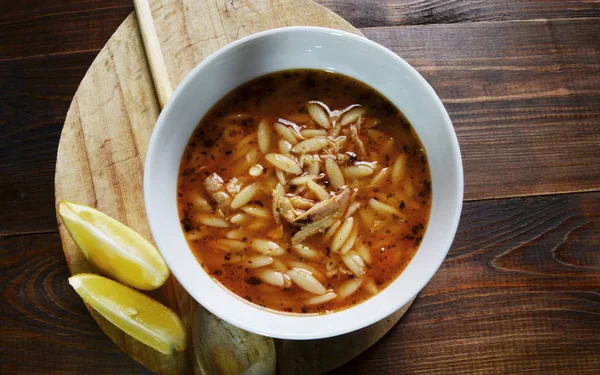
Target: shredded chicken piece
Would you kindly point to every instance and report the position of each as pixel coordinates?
(222, 199)
(301, 202)
(312, 228)
(356, 139)
(335, 268)
(336, 144)
(213, 183)
(332, 206)
(360, 122)
(214, 187)
(233, 186)
(286, 209)
(321, 216)
(318, 218)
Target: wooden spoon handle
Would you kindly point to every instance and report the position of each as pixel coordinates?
(162, 83)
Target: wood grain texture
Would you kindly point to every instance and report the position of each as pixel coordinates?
(35, 94)
(527, 110)
(535, 310)
(524, 98)
(154, 54)
(190, 32)
(45, 327)
(32, 28)
(103, 144)
(518, 293)
(36, 28)
(372, 13)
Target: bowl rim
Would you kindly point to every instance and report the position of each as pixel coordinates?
(335, 330)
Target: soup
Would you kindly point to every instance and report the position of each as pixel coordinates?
(304, 191)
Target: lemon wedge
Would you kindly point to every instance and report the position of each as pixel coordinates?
(118, 251)
(133, 312)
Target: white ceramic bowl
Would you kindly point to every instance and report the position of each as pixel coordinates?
(291, 48)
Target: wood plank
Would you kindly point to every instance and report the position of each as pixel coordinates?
(35, 95)
(49, 27)
(35, 28)
(373, 13)
(517, 293)
(535, 318)
(45, 325)
(524, 98)
(526, 113)
(43, 9)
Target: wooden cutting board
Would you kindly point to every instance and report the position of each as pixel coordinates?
(103, 145)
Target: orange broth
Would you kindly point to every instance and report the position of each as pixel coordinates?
(391, 237)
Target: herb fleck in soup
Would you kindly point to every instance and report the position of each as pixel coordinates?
(304, 191)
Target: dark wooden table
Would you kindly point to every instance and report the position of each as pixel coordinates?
(520, 289)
